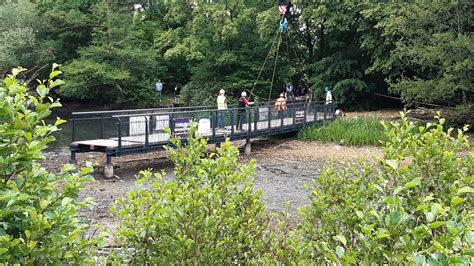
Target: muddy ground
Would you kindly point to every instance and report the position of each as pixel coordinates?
(284, 166)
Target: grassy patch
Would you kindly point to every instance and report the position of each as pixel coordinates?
(348, 131)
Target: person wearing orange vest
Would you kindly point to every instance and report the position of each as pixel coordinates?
(280, 105)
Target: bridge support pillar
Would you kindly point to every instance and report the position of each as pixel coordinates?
(109, 167)
(248, 147)
(108, 170)
(73, 159)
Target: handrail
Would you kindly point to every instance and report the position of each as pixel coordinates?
(288, 105)
(98, 113)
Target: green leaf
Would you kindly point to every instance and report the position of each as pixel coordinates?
(55, 73)
(66, 201)
(469, 235)
(392, 163)
(415, 182)
(456, 201)
(341, 239)
(465, 190)
(44, 204)
(430, 216)
(437, 224)
(340, 251)
(382, 235)
(393, 218)
(420, 259)
(188, 242)
(360, 214)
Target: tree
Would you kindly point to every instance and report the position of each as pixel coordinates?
(18, 43)
(427, 51)
(120, 66)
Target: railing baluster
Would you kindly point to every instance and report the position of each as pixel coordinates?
(73, 130)
(146, 133)
(232, 124)
(269, 116)
(215, 120)
(102, 127)
(249, 122)
(255, 122)
(119, 135)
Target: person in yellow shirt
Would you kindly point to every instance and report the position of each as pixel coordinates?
(221, 107)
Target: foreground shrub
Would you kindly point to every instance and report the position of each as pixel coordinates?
(413, 207)
(38, 210)
(348, 131)
(209, 214)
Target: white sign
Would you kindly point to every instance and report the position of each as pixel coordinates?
(262, 114)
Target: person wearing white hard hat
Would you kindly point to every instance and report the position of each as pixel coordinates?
(221, 106)
(243, 102)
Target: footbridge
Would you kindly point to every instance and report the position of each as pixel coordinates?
(123, 132)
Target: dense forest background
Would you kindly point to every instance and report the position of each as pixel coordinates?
(113, 52)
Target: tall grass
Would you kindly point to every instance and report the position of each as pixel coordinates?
(348, 131)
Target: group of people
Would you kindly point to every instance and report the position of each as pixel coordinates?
(287, 96)
(222, 107)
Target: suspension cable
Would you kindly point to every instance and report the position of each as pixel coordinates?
(274, 66)
(264, 63)
(294, 48)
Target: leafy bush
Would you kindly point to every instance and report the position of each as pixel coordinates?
(349, 131)
(209, 214)
(38, 210)
(414, 206)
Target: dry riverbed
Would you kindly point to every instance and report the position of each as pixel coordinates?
(283, 168)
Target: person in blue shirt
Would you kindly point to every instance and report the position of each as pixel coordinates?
(159, 87)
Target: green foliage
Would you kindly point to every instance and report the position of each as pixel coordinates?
(121, 66)
(425, 51)
(209, 214)
(66, 27)
(38, 210)
(413, 206)
(348, 131)
(422, 52)
(18, 44)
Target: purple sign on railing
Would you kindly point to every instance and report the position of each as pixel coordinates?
(181, 127)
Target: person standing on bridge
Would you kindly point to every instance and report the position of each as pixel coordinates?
(280, 106)
(290, 94)
(328, 95)
(221, 107)
(243, 103)
(309, 96)
(159, 87)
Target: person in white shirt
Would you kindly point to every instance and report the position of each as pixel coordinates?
(328, 95)
(159, 87)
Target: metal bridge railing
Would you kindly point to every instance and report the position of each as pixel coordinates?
(101, 124)
(140, 132)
